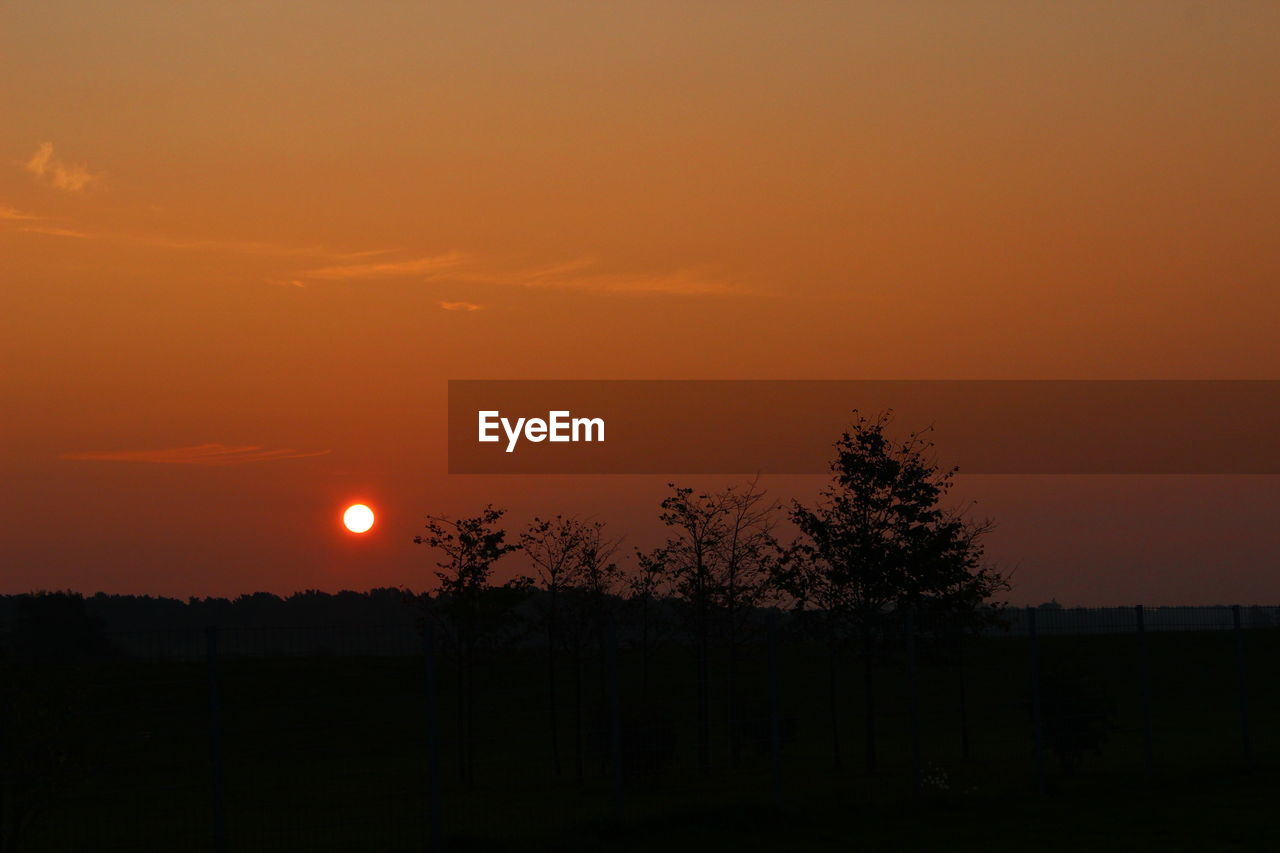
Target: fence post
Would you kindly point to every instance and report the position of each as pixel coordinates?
(215, 741)
(1144, 687)
(615, 717)
(775, 712)
(1037, 724)
(913, 696)
(1242, 685)
(435, 810)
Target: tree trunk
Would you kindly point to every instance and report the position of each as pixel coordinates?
(644, 656)
(735, 724)
(869, 701)
(462, 712)
(601, 640)
(471, 713)
(833, 687)
(704, 698)
(964, 705)
(577, 709)
(551, 685)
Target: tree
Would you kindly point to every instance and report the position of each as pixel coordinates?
(590, 586)
(878, 544)
(554, 547)
(474, 608)
(748, 553)
(645, 587)
(717, 561)
(688, 562)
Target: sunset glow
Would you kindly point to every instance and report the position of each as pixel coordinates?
(235, 291)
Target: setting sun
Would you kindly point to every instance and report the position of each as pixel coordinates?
(358, 518)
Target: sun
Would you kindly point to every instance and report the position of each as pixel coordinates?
(358, 518)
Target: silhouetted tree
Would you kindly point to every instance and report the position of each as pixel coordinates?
(590, 588)
(718, 562)
(469, 603)
(645, 588)
(877, 544)
(554, 547)
(748, 554)
(55, 627)
(688, 560)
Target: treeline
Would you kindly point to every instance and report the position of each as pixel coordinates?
(115, 614)
(879, 561)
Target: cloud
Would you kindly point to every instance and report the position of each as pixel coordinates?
(11, 214)
(38, 165)
(576, 274)
(69, 177)
(581, 274)
(52, 231)
(200, 454)
(460, 306)
(456, 267)
(236, 247)
(387, 269)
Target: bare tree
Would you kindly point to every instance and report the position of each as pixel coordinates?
(645, 588)
(591, 582)
(719, 562)
(689, 561)
(469, 603)
(554, 547)
(746, 564)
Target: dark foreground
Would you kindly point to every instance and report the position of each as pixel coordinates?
(321, 749)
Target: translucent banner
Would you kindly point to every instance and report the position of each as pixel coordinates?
(788, 427)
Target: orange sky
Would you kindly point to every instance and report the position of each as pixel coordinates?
(285, 225)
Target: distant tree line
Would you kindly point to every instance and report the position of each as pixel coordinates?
(122, 613)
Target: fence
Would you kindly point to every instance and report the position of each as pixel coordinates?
(389, 738)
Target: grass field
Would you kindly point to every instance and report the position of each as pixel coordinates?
(330, 753)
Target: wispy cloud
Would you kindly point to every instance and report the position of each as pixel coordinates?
(200, 454)
(460, 306)
(11, 214)
(235, 247)
(583, 273)
(576, 274)
(431, 264)
(53, 231)
(69, 177)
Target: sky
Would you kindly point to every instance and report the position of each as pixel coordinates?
(243, 247)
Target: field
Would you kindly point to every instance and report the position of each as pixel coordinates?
(325, 750)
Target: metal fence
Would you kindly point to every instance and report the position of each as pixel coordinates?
(392, 738)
